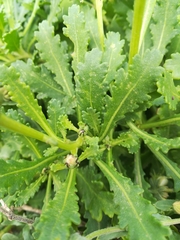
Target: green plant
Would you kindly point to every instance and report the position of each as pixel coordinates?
(90, 120)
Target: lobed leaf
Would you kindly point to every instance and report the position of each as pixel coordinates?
(157, 142)
(135, 212)
(167, 88)
(112, 55)
(22, 95)
(53, 53)
(90, 90)
(93, 194)
(24, 195)
(131, 89)
(129, 140)
(40, 80)
(164, 28)
(173, 64)
(12, 40)
(76, 31)
(92, 119)
(91, 25)
(15, 175)
(60, 213)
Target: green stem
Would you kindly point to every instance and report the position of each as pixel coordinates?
(138, 169)
(160, 123)
(139, 8)
(99, 6)
(105, 231)
(36, 7)
(20, 128)
(48, 192)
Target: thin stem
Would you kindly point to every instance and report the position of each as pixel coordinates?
(36, 6)
(20, 128)
(139, 8)
(160, 123)
(48, 192)
(99, 6)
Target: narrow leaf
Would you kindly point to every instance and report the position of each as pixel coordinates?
(60, 213)
(95, 198)
(167, 88)
(76, 31)
(92, 27)
(25, 170)
(131, 90)
(165, 18)
(53, 53)
(135, 212)
(157, 142)
(89, 89)
(173, 64)
(112, 55)
(24, 195)
(40, 80)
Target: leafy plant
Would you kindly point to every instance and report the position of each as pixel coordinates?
(89, 118)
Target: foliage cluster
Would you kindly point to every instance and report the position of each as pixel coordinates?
(89, 119)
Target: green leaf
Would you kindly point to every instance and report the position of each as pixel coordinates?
(40, 80)
(167, 88)
(23, 96)
(157, 142)
(76, 31)
(129, 140)
(25, 170)
(92, 119)
(24, 195)
(12, 40)
(164, 28)
(92, 27)
(173, 64)
(89, 88)
(172, 169)
(54, 11)
(112, 55)
(93, 194)
(131, 89)
(135, 212)
(60, 213)
(53, 53)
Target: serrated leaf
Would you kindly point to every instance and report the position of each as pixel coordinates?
(25, 170)
(135, 212)
(12, 40)
(60, 213)
(129, 140)
(90, 90)
(54, 11)
(39, 79)
(55, 110)
(22, 95)
(167, 88)
(92, 27)
(95, 198)
(157, 142)
(92, 119)
(56, 59)
(165, 18)
(24, 195)
(131, 89)
(171, 168)
(173, 64)
(76, 31)
(112, 55)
